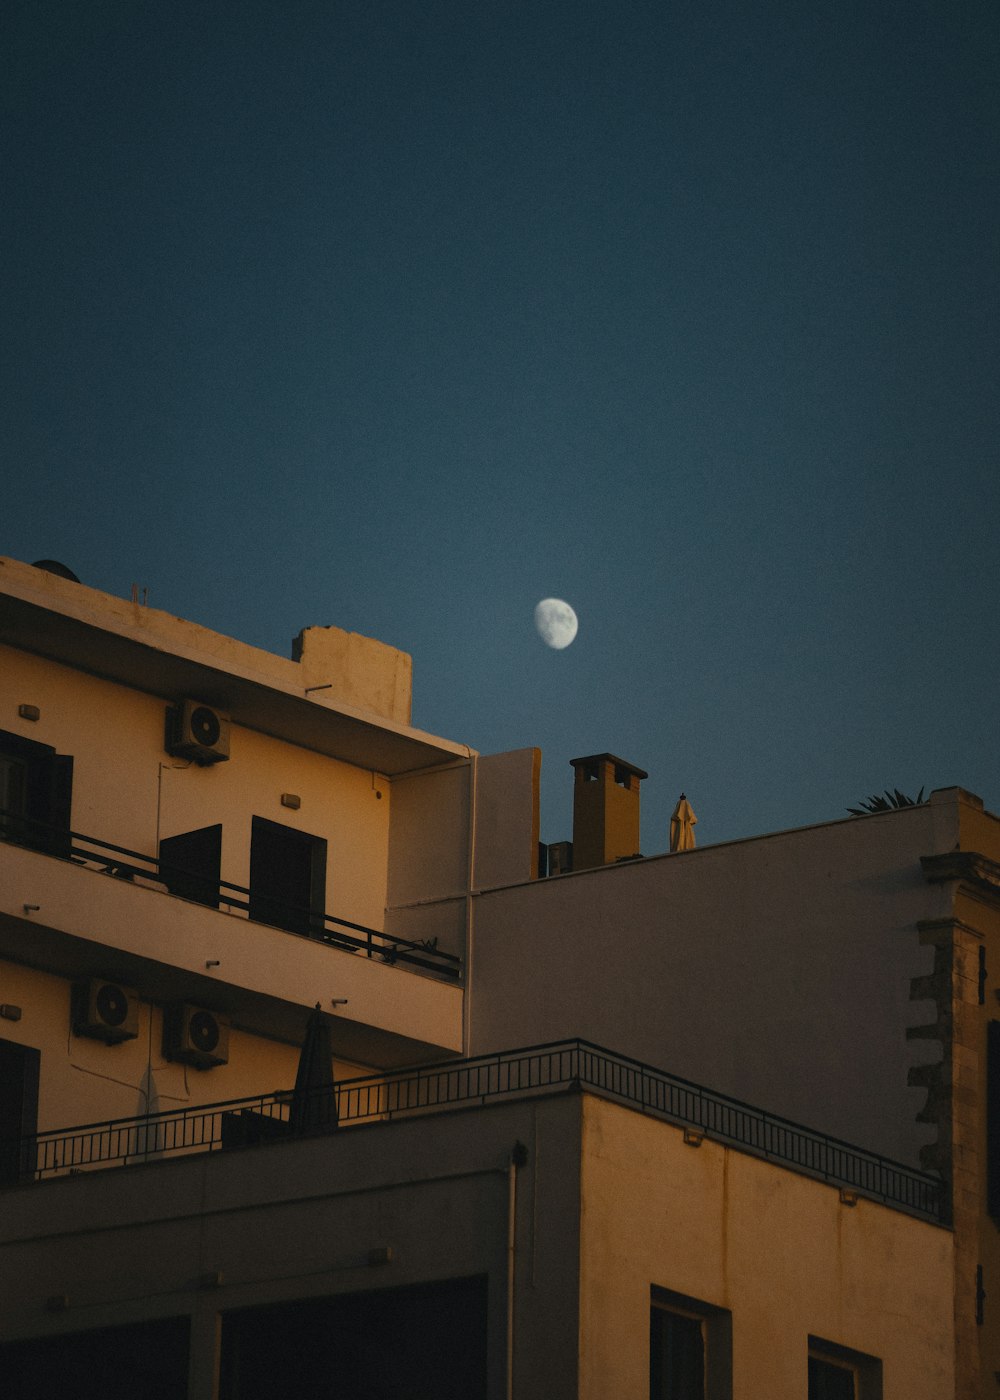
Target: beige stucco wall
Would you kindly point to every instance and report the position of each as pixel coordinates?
(91, 924)
(353, 670)
(358, 671)
(776, 1249)
(430, 879)
(129, 791)
(298, 1221)
(506, 833)
(84, 1080)
(608, 1204)
(777, 970)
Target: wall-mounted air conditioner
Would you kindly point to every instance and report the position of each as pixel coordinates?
(105, 1011)
(197, 731)
(196, 1036)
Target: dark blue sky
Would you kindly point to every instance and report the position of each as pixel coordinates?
(402, 316)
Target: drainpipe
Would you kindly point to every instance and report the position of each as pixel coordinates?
(467, 995)
(518, 1158)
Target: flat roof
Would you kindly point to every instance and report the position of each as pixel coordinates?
(162, 655)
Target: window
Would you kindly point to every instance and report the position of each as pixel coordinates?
(830, 1381)
(690, 1349)
(287, 877)
(838, 1373)
(190, 864)
(35, 793)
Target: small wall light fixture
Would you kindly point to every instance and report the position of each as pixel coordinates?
(58, 1302)
(31, 908)
(338, 1001)
(212, 962)
(29, 712)
(9, 1012)
(291, 799)
(694, 1137)
(848, 1197)
(381, 1254)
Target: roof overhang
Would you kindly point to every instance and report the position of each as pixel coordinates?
(62, 621)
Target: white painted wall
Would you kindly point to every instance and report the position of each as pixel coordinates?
(776, 970)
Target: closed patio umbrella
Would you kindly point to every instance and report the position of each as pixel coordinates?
(682, 825)
(314, 1098)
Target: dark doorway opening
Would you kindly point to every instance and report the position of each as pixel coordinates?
(287, 877)
(36, 787)
(147, 1359)
(191, 864)
(19, 1067)
(407, 1343)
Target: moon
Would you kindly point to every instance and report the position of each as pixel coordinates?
(556, 623)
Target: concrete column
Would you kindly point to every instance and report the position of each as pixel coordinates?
(204, 1353)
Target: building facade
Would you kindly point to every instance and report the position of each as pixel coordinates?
(200, 842)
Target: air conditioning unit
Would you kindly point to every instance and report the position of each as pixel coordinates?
(197, 731)
(196, 1036)
(105, 1011)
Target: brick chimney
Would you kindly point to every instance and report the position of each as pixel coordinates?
(605, 810)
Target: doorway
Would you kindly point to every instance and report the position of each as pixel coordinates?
(287, 877)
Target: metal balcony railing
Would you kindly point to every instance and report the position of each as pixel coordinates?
(125, 864)
(428, 1089)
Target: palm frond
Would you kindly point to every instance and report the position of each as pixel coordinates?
(889, 801)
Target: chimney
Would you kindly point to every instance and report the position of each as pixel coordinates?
(605, 810)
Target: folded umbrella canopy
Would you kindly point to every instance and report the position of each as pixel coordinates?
(682, 825)
(314, 1098)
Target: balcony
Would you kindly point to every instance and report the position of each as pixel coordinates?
(151, 873)
(567, 1066)
(77, 905)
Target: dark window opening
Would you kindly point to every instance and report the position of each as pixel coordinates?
(828, 1381)
(19, 1067)
(676, 1356)
(993, 1119)
(690, 1349)
(838, 1373)
(408, 1343)
(147, 1359)
(191, 863)
(287, 877)
(13, 794)
(36, 786)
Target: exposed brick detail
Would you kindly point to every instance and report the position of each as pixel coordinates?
(953, 1105)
